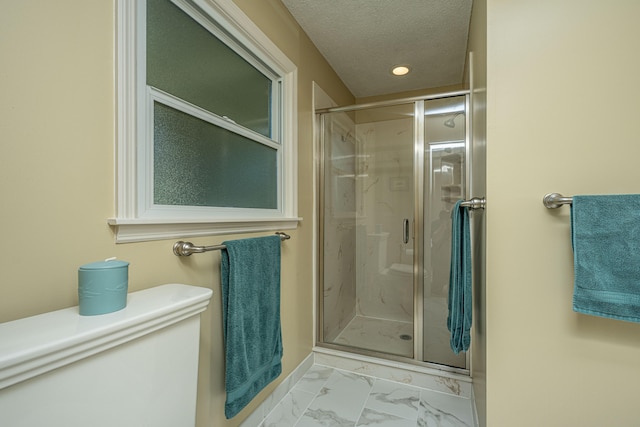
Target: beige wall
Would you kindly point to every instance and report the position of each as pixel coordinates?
(57, 176)
(477, 61)
(562, 117)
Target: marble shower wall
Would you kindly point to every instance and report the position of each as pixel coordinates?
(339, 274)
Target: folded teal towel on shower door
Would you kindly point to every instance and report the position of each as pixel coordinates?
(250, 273)
(460, 302)
(605, 234)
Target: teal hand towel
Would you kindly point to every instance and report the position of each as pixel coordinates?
(605, 234)
(460, 302)
(250, 271)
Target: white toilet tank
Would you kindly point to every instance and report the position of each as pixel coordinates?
(132, 368)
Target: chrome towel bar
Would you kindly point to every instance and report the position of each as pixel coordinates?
(555, 200)
(475, 203)
(181, 248)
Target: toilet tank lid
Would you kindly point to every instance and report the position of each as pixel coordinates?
(38, 344)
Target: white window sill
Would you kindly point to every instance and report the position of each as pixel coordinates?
(141, 230)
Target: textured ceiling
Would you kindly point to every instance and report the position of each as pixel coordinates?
(364, 39)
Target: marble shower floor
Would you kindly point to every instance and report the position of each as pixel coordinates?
(385, 335)
(378, 335)
(326, 396)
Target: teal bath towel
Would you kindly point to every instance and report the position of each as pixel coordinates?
(250, 271)
(460, 302)
(605, 234)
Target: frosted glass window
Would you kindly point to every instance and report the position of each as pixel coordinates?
(186, 60)
(206, 121)
(199, 164)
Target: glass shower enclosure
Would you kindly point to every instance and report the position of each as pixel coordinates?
(390, 175)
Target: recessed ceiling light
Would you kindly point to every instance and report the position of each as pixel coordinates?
(400, 70)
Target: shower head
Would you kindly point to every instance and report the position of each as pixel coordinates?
(450, 122)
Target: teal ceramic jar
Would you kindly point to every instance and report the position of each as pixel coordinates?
(102, 287)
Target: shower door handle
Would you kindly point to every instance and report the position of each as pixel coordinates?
(405, 230)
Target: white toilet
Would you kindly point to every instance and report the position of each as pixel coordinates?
(132, 368)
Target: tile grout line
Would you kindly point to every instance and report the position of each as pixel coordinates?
(289, 393)
(315, 394)
(305, 408)
(364, 404)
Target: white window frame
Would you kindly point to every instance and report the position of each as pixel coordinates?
(137, 219)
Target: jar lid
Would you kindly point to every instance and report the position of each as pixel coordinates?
(104, 265)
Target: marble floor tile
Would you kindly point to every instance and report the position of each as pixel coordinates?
(323, 418)
(314, 379)
(369, 417)
(330, 397)
(290, 409)
(344, 394)
(443, 410)
(394, 398)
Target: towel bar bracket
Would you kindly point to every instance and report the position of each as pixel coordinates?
(181, 248)
(555, 200)
(475, 203)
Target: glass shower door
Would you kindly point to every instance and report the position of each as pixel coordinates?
(367, 225)
(390, 178)
(445, 130)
